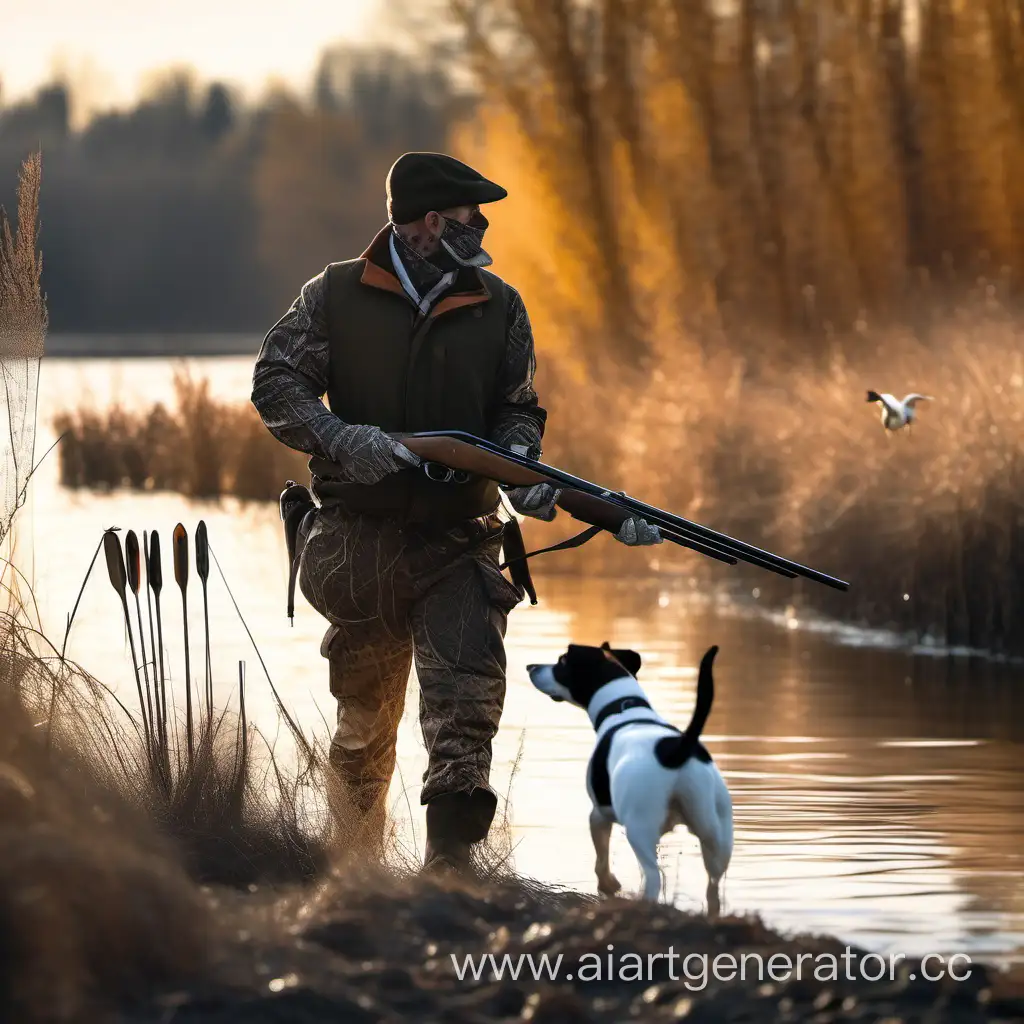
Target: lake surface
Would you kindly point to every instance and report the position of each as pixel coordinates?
(878, 795)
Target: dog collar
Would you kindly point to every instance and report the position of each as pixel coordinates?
(615, 707)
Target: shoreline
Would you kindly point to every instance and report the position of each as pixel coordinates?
(151, 345)
(384, 948)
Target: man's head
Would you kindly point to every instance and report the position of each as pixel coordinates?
(424, 234)
(434, 201)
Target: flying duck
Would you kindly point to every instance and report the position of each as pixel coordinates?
(896, 414)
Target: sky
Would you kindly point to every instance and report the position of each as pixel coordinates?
(111, 47)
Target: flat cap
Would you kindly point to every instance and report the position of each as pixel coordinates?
(420, 182)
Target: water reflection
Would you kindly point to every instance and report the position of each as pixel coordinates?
(878, 796)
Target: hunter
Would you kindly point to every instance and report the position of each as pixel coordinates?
(413, 335)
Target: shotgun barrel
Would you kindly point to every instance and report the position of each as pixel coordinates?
(597, 505)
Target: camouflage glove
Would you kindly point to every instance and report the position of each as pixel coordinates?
(536, 501)
(368, 455)
(637, 532)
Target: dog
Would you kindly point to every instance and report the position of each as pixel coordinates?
(644, 773)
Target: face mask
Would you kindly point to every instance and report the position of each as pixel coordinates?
(464, 242)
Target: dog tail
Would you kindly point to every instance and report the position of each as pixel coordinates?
(674, 751)
(705, 696)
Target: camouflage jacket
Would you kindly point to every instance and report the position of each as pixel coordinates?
(291, 378)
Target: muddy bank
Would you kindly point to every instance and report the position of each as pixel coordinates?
(104, 917)
(381, 950)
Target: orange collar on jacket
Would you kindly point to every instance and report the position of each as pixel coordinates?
(376, 275)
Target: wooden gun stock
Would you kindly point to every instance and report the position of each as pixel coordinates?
(457, 454)
(581, 505)
(592, 504)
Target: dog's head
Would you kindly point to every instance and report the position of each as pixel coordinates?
(582, 671)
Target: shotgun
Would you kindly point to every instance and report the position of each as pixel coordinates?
(601, 507)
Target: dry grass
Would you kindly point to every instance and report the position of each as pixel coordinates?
(23, 318)
(103, 840)
(727, 222)
(71, 848)
(201, 448)
(925, 524)
(678, 169)
(102, 846)
(237, 815)
(93, 903)
(791, 458)
(23, 322)
(107, 824)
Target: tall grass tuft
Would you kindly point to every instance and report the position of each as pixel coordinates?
(926, 524)
(23, 323)
(239, 815)
(200, 447)
(94, 905)
(23, 317)
(104, 836)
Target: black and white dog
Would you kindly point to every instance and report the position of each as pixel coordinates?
(644, 773)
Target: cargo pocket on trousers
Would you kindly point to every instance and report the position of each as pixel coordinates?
(329, 637)
(501, 592)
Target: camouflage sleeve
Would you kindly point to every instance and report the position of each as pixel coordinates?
(520, 419)
(291, 375)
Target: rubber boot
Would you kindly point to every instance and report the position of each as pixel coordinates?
(455, 822)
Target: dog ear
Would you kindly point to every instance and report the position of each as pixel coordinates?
(582, 653)
(628, 659)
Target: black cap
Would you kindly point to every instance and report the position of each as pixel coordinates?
(420, 182)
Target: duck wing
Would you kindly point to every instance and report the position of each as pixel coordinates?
(889, 402)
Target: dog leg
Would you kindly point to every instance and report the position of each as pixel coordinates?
(601, 833)
(715, 865)
(643, 836)
(714, 900)
(716, 852)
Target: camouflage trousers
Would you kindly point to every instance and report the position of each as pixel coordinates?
(395, 593)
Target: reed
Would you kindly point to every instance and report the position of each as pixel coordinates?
(23, 323)
(683, 169)
(924, 523)
(95, 905)
(239, 815)
(198, 447)
(790, 456)
(107, 826)
(23, 316)
(727, 220)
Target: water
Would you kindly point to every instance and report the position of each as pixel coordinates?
(877, 795)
